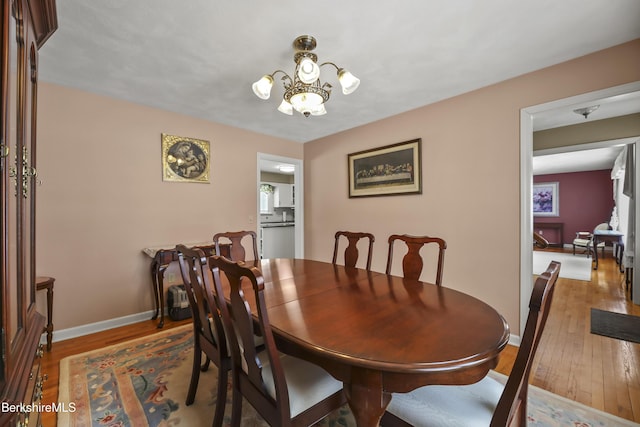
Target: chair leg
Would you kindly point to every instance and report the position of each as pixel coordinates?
(195, 374)
(205, 365)
(221, 403)
(236, 407)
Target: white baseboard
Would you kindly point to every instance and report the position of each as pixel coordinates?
(91, 328)
(514, 340)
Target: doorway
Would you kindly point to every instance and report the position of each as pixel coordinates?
(271, 166)
(527, 116)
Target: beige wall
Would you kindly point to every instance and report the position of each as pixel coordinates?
(102, 198)
(471, 174)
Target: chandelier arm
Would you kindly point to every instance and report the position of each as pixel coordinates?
(289, 80)
(280, 71)
(331, 63)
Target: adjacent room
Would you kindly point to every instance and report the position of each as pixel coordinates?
(348, 213)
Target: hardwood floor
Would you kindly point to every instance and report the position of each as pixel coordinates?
(597, 371)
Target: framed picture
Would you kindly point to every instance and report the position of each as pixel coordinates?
(389, 170)
(185, 159)
(546, 199)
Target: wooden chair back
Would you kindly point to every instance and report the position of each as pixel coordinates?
(351, 251)
(237, 251)
(208, 331)
(247, 284)
(412, 263)
(513, 402)
(539, 241)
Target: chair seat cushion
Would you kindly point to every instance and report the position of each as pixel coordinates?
(448, 406)
(307, 383)
(582, 242)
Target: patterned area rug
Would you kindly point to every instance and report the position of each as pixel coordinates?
(144, 382)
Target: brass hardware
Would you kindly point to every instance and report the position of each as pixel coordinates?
(27, 172)
(4, 150)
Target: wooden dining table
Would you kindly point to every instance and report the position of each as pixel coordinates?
(379, 333)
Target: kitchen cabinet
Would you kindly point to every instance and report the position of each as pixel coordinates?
(284, 196)
(278, 241)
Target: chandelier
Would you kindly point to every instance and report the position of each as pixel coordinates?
(304, 92)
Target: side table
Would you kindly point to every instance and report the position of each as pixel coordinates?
(161, 258)
(43, 282)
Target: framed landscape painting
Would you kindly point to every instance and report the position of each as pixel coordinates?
(389, 170)
(545, 199)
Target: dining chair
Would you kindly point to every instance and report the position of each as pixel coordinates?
(351, 251)
(284, 390)
(487, 402)
(412, 262)
(208, 331)
(238, 252)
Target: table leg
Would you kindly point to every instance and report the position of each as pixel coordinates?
(595, 252)
(47, 283)
(49, 316)
(366, 398)
(155, 267)
(159, 265)
(160, 290)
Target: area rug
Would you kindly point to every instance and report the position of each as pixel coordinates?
(571, 266)
(615, 325)
(144, 383)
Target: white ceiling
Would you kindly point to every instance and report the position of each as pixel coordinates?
(200, 57)
(577, 161)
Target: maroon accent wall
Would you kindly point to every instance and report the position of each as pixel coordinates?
(586, 200)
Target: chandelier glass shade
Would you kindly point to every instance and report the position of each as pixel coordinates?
(305, 92)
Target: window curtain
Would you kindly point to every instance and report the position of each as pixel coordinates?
(629, 191)
(623, 176)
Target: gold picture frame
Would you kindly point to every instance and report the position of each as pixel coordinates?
(185, 159)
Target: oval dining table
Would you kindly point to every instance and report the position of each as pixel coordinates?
(379, 333)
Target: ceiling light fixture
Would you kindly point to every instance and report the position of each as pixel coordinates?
(586, 110)
(304, 92)
(286, 168)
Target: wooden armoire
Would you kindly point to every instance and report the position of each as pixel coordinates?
(26, 25)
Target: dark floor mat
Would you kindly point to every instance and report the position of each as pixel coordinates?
(615, 325)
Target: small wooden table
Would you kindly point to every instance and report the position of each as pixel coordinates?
(162, 256)
(44, 282)
(600, 236)
(378, 333)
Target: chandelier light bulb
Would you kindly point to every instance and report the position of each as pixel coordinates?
(308, 71)
(262, 88)
(348, 81)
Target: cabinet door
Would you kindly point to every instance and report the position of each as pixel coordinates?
(18, 180)
(12, 292)
(284, 196)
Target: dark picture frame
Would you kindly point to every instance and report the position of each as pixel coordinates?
(546, 198)
(185, 159)
(394, 169)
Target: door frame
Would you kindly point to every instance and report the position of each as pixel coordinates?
(298, 180)
(526, 181)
